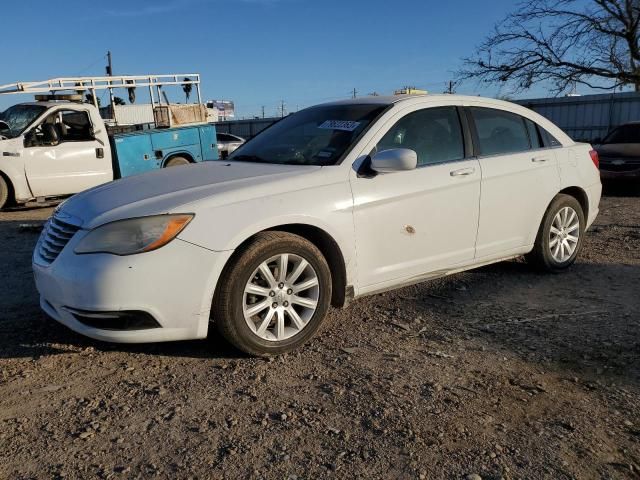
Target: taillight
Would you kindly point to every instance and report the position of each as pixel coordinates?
(595, 158)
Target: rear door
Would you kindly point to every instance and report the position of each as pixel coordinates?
(519, 179)
(74, 162)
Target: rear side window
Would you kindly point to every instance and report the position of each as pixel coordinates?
(629, 133)
(500, 132)
(534, 135)
(548, 140)
(433, 133)
(224, 137)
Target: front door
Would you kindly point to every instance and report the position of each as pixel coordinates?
(63, 157)
(411, 223)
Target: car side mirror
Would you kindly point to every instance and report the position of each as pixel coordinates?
(394, 160)
(30, 139)
(4, 125)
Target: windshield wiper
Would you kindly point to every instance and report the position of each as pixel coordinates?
(247, 158)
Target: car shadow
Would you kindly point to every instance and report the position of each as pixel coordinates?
(26, 332)
(585, 321)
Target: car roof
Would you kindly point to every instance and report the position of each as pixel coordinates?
(415, 98)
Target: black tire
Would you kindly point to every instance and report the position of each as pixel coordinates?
(227, 310)
(176, 162)
(541, 256)
(4, 192)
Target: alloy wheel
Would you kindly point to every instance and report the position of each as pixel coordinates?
(564, 234)
(281, 297)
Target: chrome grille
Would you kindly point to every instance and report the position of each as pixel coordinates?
(55, 235)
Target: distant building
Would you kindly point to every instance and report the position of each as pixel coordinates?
(224, 108)
(410, 91)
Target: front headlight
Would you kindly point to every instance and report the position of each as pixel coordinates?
(135, 235)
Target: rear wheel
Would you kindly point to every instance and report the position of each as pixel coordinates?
(274, 296)
(4, 192)
(176, 162)
(560, 237)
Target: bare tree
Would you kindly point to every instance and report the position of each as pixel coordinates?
(562, 43)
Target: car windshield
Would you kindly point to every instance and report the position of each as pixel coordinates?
(624, 134)
(18, 118)
(315, 136)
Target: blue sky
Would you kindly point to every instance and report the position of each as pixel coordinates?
(255, 52)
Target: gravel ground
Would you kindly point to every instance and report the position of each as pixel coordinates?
(495, 373)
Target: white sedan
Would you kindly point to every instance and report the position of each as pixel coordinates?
(335, 202)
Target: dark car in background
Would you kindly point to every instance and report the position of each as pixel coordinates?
(619, 152)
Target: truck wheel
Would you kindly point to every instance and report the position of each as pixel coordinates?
(176, 162)
(274, 296)
(560, 236)
(4, 192)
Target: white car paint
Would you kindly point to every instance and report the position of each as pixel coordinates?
(67, 168)
(390, 230)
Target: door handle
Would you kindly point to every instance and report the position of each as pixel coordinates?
(539, 159)
(462, 172)
(99, 152)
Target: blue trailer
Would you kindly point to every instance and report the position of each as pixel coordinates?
(143, 150)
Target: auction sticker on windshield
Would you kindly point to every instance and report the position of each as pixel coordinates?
(344, 125)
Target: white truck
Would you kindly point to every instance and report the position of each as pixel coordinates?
(60, 145)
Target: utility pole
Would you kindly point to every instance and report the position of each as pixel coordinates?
(263, 111)
(355, 93)
(282, 106)
(110, 74)
(450, 89)
(109, 66)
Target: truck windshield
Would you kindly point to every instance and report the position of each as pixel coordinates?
(315, 136)
(19, 117)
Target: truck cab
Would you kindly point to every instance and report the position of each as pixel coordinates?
(61, 145)
(51, 149)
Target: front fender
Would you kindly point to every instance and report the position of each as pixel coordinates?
(329, 208)
(12, 167)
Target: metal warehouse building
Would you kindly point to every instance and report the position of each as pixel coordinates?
(588, 117)
(584, 118)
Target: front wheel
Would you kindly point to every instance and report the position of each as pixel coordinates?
(4, 192)
(560, 237)
(274, 296)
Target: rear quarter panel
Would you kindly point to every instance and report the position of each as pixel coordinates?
(577, 169)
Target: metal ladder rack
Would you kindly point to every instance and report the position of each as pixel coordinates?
(92, 84)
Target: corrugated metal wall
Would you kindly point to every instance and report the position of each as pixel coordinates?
(584, 118)
(588, 117)
(245, 128)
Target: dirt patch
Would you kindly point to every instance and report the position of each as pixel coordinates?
(499, 372)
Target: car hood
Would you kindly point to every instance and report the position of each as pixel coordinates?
(619, 150)
(179, 189)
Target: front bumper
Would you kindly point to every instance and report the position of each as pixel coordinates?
(174, 285)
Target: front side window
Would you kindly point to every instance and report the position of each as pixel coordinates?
(315, 136)
(500, 132)
(434, 134)
(75, 126)
(61, 126)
